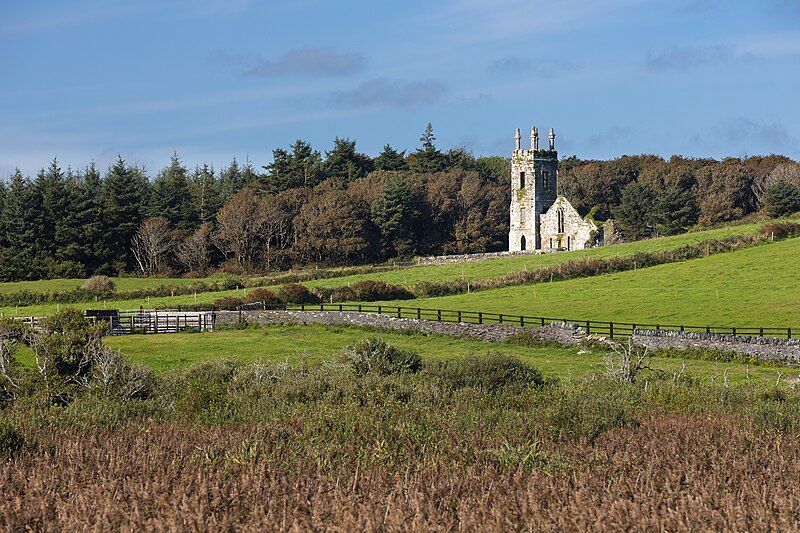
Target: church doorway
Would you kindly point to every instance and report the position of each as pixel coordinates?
(522, 243)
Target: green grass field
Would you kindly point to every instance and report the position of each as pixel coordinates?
(315, 343)
(754, 287)
(62, 285)
(405, 276)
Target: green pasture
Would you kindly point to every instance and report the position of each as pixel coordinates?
(754, 287)
(405, 276)
(276, 344)
(63, 285)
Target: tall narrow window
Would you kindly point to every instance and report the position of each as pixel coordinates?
(522, 243)
(560, 218)
(568, 242)
(545, 179)
(521, 180)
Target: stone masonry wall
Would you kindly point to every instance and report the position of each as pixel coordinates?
(768, 349)
(576, 229)
(565, 335)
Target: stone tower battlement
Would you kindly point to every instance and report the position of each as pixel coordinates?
(534, 189)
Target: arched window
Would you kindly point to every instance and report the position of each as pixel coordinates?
(522, 243)
(560, 218)
(521, 180)
(568, 243)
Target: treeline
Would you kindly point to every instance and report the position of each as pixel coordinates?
(344, 207)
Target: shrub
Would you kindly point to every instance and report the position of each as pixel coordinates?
(781, 198)
(293, 293)
(374, 356)
(99, 286)
(227, 282)
(489, 373)
(262, 295)
(10, 439)
(203, 386)
(364, 291)
(228, 303)
(781, 230)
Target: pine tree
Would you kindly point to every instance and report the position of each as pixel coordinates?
(634, 213)
(781, 198)
(18, 231)
(300, 168)
(171, 198)
(343, 162)
(126, 191)
(205, 193)
(675, 211)
(231, 181)
(390, 159)
(92, 244)
(427, 158)
(396, 213)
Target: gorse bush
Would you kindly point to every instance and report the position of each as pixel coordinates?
(262, 295)
(781, 230)
(101, 286)
(363, 291)
(374, 356)
(293, 293)
(490, 373)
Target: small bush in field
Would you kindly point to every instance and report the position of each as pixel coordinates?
(293, 293)
(10, 439)
(372, 291)
(227, 282)
(260, 295)
(781, 230)
(374, 356)
(99, 286)
(228, 303)
(489, 373)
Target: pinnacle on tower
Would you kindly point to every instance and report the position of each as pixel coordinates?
(534, 138)
(552, 137)
(518, 140)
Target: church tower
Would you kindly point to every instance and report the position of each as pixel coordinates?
(534, 175)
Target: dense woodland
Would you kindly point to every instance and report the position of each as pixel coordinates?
(346, 207)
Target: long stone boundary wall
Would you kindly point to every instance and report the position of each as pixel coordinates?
(767, 349)
(463, 258)
(568, 336)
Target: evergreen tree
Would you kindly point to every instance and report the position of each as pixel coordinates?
(171, 198)
(675, 211)
(231, 181)
(205, 193)
(634, 213)
(91, 242)
(300, 168)
(781, 198)
(18, 231)
(396, 213)
(343, 162)
(126, 192)
(68, 259)
(427, 158)
(391, 159)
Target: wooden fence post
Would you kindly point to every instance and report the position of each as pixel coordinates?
(611, 330)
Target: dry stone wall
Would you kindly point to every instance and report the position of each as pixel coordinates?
(768, 349)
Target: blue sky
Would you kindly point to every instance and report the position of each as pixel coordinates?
(213, 79)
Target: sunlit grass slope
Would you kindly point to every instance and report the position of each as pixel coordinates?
(405, 276)
(755, 287)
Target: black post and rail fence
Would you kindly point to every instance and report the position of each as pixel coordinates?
(204, 318)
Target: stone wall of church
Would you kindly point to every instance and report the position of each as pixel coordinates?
(528, 203)
(577, 233)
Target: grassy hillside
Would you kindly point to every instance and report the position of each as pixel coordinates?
(406, 276)
(314, 343)
(753, 287)
(60, 285)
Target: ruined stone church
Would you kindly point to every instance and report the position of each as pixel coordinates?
(541, 219)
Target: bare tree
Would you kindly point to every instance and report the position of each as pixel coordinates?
(193, 252)
(241, 228)
(151, 244)
(625, 361)
(9, 380)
